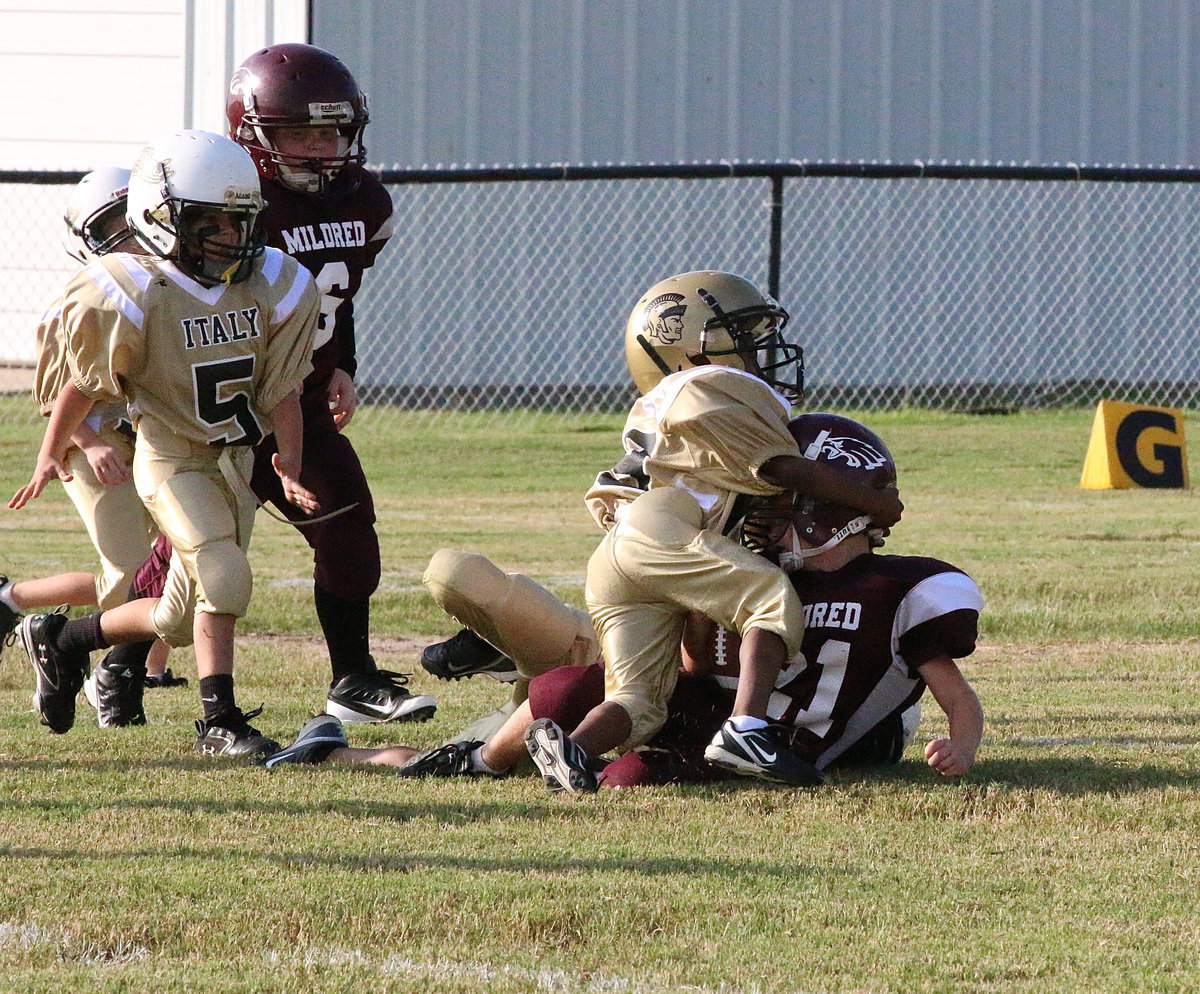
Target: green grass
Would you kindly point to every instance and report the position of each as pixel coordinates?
(1067, 861)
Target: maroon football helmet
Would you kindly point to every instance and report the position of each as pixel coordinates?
(296, 86)
(789, 528)
(857, 451)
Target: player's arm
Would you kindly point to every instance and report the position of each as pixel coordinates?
(288, 423)
(71, 406)
(106, 460)
(955, 755)
(823, 481)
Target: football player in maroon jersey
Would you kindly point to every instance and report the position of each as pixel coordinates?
(300, 113)
(878, 631)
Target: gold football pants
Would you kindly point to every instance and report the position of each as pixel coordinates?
(115, 518)
(655, 567)
(207, 522)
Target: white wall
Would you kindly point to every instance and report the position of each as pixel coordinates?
(92, 79)
(87, 83)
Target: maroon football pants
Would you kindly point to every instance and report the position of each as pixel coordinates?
(345, 548)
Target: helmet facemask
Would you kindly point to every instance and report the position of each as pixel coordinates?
(101, 232)
(216, 244)
(304, 173)
(755, 334)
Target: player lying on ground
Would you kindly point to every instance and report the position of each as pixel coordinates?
(878, 630)
(709, 432)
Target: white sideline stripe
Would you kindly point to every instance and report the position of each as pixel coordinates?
(440, 969)
(70, 948)
(79, 949)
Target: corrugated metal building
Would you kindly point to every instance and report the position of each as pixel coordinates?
(540, 81)
(524, 81)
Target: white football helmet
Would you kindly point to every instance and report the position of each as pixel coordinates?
(711, 318)
(95, 216)
(194, 198)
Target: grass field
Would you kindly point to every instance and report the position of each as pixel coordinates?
(1068, 860)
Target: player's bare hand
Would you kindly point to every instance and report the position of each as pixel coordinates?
(108, 464)
(47, 469)
(948, 761)
(293, 490)
(343, 398)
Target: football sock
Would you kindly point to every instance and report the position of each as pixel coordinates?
(6, 597)
(81, 634)
(216, 694)
(479, 765)
(744, 723)
(131, 654)
(346, 626)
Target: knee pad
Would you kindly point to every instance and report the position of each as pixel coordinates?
(223, 579)
(522, 619)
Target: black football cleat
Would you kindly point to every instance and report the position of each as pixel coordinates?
(115, 691)
(60, 675)
(377, 696)
(765, 753)
(562, 764)
(466, 654)
(164, 679)
(9, 619)
(450, 760)
(318, 737)
(231, 734)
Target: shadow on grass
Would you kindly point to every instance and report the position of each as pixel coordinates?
(408, 862)
(1068, 776)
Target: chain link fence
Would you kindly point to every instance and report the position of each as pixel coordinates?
(956, 287)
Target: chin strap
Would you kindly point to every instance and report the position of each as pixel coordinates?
(793, 559)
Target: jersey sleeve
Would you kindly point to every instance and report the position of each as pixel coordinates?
(938, 617)
(290, 345)
(101, 333)
(381, 213)
(53, 371)
(732, 424)
(627, 479)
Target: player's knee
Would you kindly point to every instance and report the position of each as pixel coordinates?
(350, 576)
(646, 717)
(453, 578)
(567, 694)
(172, 621)
(223, 578)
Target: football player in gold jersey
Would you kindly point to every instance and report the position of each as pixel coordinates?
(102, 485)
(207, 338)
(710, 430)
(102, 488)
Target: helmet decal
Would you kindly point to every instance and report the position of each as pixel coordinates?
(857, 453)
(664, 318)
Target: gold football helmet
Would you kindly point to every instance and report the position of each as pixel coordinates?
(711, 318)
